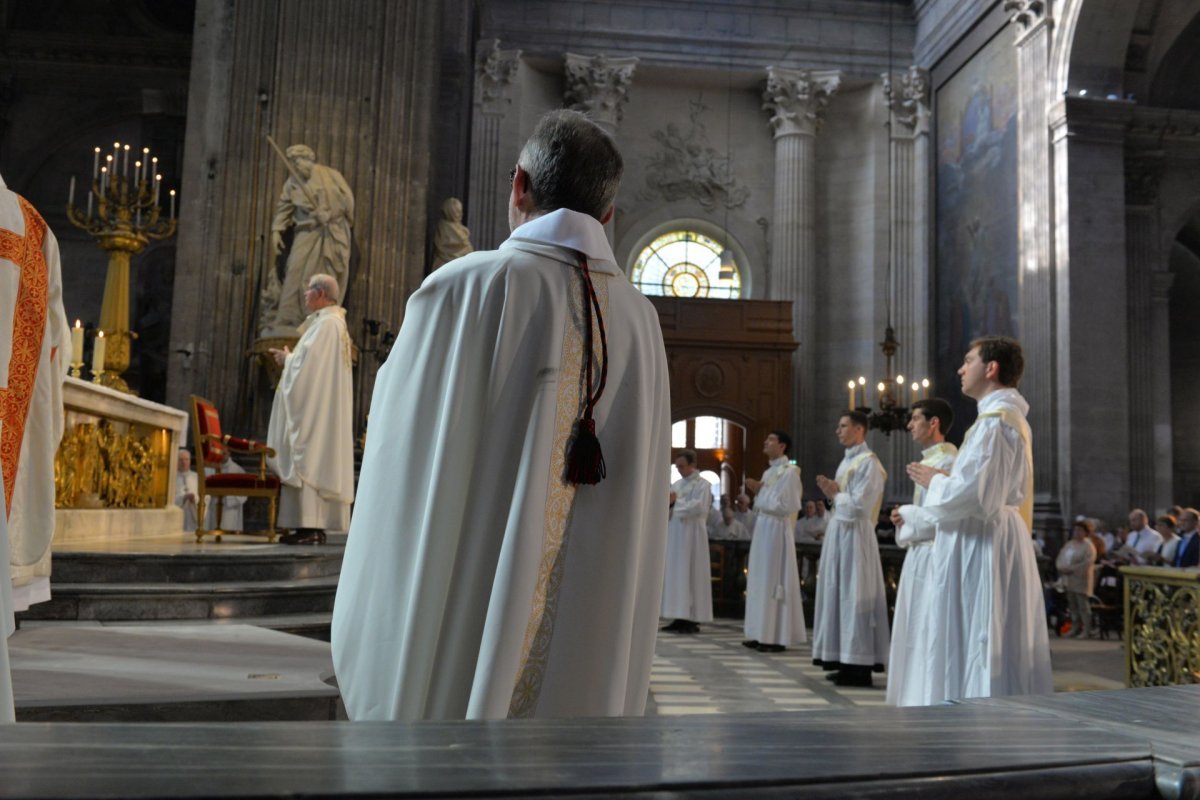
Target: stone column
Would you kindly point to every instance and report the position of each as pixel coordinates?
(1035, 255)
(796, 100)
(355, 82)
(1160, 386)
(598, 86)
(493, 147)
(907, 97)
(1145, 258)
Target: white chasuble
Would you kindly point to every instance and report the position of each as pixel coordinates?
(476, 582)
(909, 682)
(990, 635)
(311, 426)
(850, 620)
(687, 583)
(774, 607)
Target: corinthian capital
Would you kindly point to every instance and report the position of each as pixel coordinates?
(797, 98)
(907, 97)
(1026, 13)
(598, 86)
(494, 70)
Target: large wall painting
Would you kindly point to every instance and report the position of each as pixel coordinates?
(977, 290)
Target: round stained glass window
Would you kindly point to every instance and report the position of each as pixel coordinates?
(686, 264)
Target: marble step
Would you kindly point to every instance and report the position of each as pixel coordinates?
(275, 564)
(313, 625)
(184, 601)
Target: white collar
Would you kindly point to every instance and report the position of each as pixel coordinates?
(779, 462)
(940, 447)
(856, 450)
(1007, 396)
(572, 230)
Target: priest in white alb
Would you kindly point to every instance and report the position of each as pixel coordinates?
(506, 553)
(34, 335)
(311, 429)
(687, 583)
(910, 682)
(990, 635)
(850, 625)
(774, 606)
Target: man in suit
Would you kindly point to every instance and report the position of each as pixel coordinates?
(1187, 552)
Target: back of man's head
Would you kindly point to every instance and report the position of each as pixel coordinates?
(572, 163)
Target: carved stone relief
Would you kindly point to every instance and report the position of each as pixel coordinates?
(598, 86)
(1025, 13)
(494, 71)
(688, 166)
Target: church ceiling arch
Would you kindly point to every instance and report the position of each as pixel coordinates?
(1091, 45)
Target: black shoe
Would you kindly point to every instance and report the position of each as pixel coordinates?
(751, 643)
(832, 676)
(690, 627)
(304, 536)
(771, 648)
(674, 627)
(854, 675)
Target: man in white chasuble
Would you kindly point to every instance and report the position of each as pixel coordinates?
(33, 364)
(311, 428)
(506, 553)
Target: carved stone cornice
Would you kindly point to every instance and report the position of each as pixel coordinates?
(908, 99)
(598, 86)
(494, 71)
(797, 99)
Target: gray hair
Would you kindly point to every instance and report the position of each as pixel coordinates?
(572, 163)
(326, 283)
(301, 151)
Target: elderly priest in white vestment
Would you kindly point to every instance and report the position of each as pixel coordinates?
(33, 364)
(990, 636)
(487, 573)
(850, 625)
(910, 682)
(687, 583)
(774, 606)
(310, 428)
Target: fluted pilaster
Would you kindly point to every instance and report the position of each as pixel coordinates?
(796, 100)
(492, 153)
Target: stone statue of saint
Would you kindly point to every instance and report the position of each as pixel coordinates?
(318, 203)
(451, 240)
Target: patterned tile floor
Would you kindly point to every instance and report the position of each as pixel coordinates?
(711, 673)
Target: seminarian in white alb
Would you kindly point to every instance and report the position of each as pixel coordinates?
(509, 398)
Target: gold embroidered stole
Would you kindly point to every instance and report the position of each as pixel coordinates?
(1017, 422)
(939, 451)
(846, 471)
(29, 329)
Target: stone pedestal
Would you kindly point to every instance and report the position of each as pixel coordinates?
(796, 101)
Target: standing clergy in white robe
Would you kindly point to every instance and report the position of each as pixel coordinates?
(34, 335)
(774, 609)
(990, 637)
(310, 428)
(478, 582)
(687, 584)
(850, 626)
(909, 681)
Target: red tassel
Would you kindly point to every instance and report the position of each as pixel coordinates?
(585, 462)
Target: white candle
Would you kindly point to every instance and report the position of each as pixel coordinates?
(137, 172)
(157, 186)
(851, 406)
(71, 192)
(77, 344)
(116, 154)
(915, 387)
(925, 386)
(172, 204)
(89, 214)
(103, 179)
(98, 355)
(96, 164)
(125, 166)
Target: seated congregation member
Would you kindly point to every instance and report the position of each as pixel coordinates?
(1142, 540)
(505, 558)
(1187, 552)
(850, 625)
(774, 606)
(729, 529)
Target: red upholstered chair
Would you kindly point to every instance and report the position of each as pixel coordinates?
(211, 446)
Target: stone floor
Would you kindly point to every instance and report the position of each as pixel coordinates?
(712, 673)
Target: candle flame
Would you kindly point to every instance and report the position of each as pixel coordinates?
(925, 383)
(862, 381)
(851, 384)
(100, 335)
(900, 380)
(78, 324)
(172, 193)
(881, 386)
(914, 386)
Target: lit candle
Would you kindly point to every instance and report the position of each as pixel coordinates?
(71, 192)
(915, 386)
(172, 204)
(98, 356)
(925, 385)
(157, 186)
(137, 172)
(77, 344)
(96, 164)
(851, 406)
(125, 165)
(882, 389)
(116, 154)
(862, 391)
(103, 179)
(900, 380)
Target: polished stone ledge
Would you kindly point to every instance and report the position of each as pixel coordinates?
(992, 749)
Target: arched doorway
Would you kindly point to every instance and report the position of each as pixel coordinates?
(720, 446)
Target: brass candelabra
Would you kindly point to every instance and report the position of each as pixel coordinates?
(123, 215)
